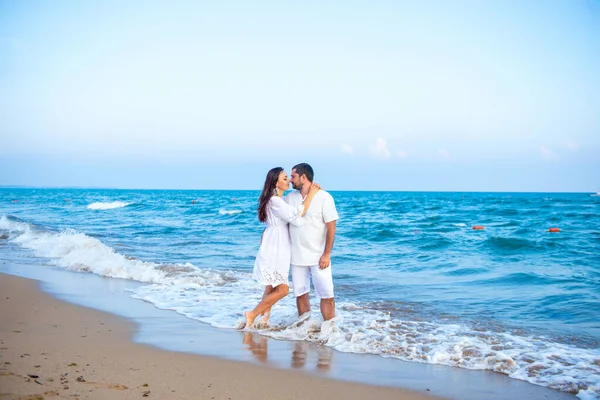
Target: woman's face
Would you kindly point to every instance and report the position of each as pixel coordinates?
(283, 183)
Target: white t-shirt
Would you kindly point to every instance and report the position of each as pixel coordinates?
(308, 241)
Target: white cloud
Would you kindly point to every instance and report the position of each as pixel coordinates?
(401, 154)
(444, 154)
(548, 154)
(379, 149)
(347, 149)
(571, 145)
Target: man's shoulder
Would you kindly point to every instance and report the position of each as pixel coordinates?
(325, 194)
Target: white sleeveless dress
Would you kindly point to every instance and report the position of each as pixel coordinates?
(272, 264)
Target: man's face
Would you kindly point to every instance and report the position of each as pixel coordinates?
(296, 180)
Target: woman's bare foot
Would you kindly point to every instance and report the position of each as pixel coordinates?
(266, 316)
(249, 319)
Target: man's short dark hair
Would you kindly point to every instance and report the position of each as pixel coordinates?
(304, 169)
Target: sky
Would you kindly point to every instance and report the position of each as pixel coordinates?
(382, 95)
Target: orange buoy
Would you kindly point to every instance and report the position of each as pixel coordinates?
(553, 230)
(478, 227)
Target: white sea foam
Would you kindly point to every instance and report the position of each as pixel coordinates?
(591, 393)
(11, 225)
(360, 329)
(76, 251)
(107, 206)
(219, 298)
(229, 212)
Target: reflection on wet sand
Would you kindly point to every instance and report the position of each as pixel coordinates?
(300, 354)
(257, 344)
(325, 354)
(303, 354)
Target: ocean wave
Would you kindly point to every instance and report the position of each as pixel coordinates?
(518, 279)
(465, 271)
(77, 251)
(107, 206)
(435, 243)
(13, 224)
(510, 244)
(383, 235)
(229, 212)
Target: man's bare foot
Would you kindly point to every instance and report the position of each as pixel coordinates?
(249, 319)
(302, 319)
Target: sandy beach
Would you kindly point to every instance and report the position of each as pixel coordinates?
(53, 349)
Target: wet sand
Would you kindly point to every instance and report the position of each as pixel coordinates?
(53, 349)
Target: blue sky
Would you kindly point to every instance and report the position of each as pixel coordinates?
(386, 95)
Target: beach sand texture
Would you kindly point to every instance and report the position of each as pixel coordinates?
(52, 349)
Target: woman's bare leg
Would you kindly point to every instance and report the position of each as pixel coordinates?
(267, 313)
(266, 303)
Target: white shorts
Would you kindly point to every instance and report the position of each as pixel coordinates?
(321, 278)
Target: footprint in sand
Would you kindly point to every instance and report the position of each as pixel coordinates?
(118, 387)
(107, 385)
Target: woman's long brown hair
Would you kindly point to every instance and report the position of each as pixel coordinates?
(267, 192)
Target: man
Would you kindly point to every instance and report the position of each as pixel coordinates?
(312, 244)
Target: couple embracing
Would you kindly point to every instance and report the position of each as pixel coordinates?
(300, 230)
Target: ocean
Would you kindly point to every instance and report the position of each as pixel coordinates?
(413, 279)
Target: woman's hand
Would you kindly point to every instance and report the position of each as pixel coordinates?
(314, 188)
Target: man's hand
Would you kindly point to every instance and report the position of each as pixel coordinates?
(325, 261)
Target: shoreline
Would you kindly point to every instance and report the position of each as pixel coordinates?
(51, 348)
(170, 333)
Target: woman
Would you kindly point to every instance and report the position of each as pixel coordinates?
(272, 264)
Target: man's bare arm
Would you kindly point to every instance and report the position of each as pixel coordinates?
(325, 260)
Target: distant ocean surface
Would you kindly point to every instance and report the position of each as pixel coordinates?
(413, 280)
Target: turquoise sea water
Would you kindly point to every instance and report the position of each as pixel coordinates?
(413, 280)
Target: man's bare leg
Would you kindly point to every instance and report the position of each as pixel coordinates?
(328, 308)
(303, 304)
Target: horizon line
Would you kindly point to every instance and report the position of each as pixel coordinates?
(258, 190)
